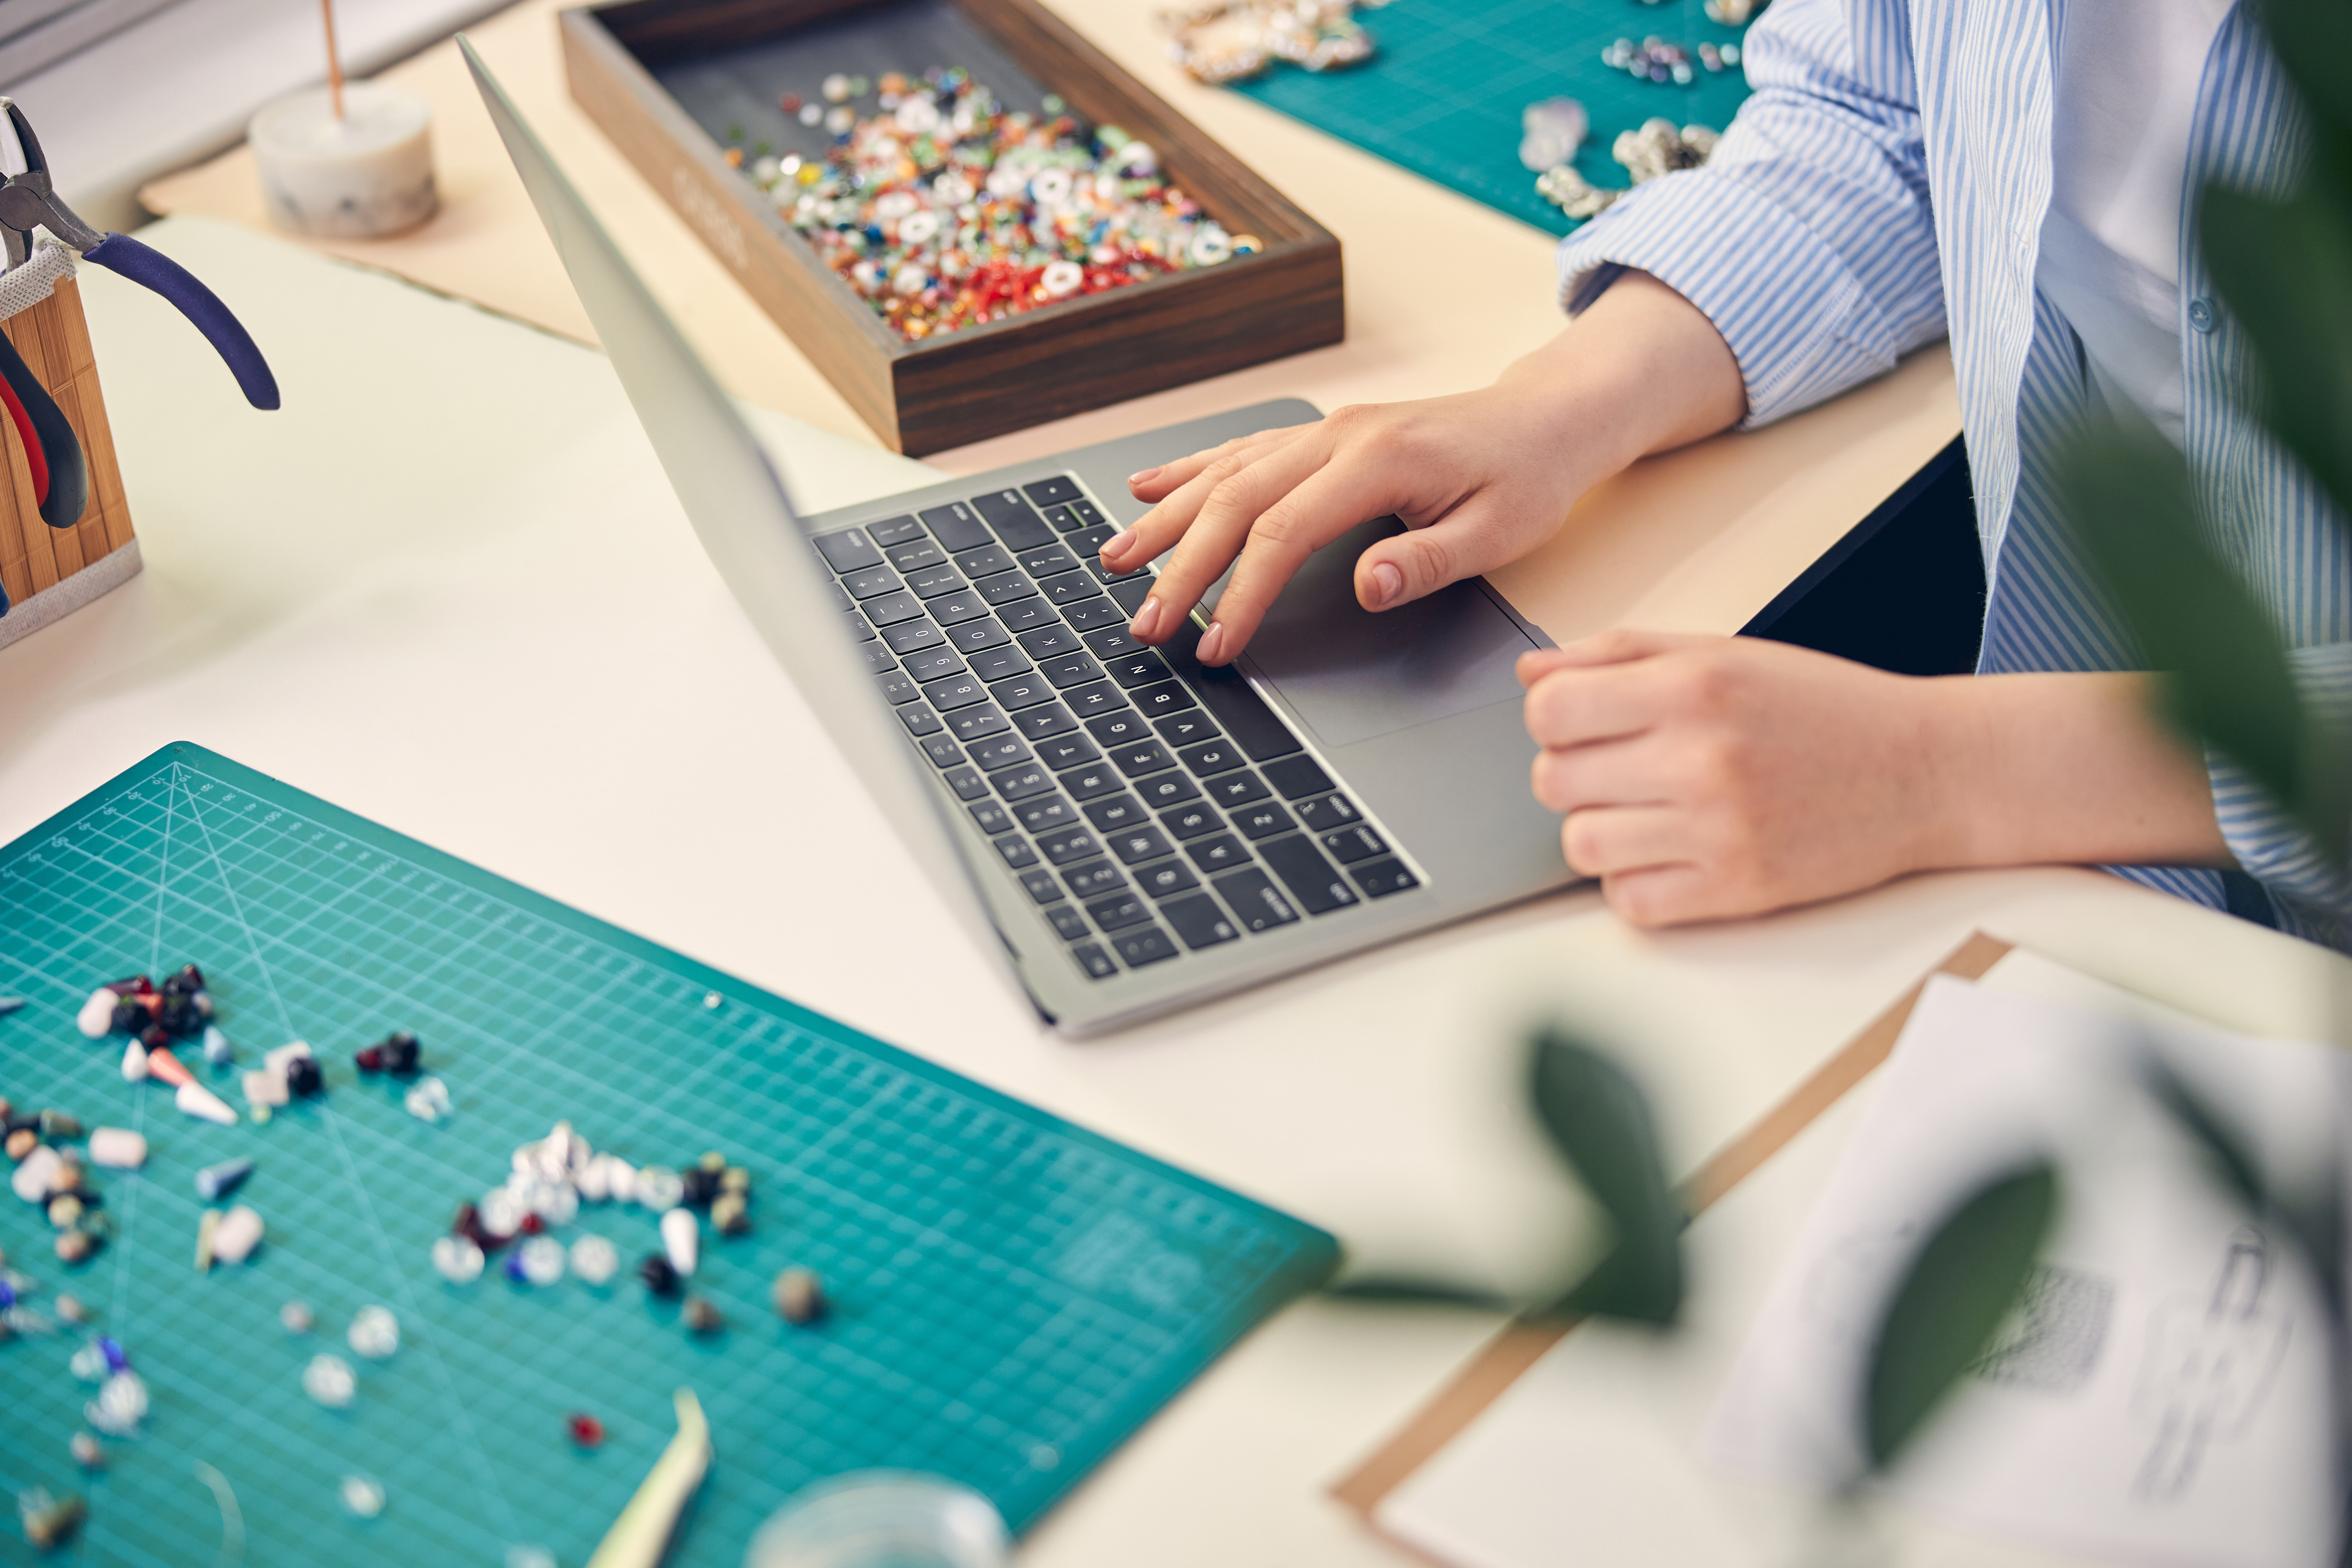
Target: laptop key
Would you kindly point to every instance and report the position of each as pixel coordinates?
(1071, 669)
(1112, 642)
(1167, 789)
(1094, 960)
(894, 530)
(1140, 844)
(1116, 813)
(1325, 812)
(1379, 879)
(996, 663)
(1140, 669)
(1047, 814)
(1263, 820)
(1212, 757)
(848, 550)
(914, 554)
(1230, 790)
(1296, 776)
(1087, 614)
(966, 781)
(1021, 783)
(1119, 728)
(1068, 588)
(1088, 512)
(1016, 852)
(1046, 492)
(1143, 757)
(1119, 909)
(1255, 900)
(1093, 879)
(1005, 588)
(956, 691)
(1222, 853)
(956, 526)
(910, 637)
(1046, 718)
(918, 718)
(1188, 822)
(934, 664)
(970, 724)
(1087, 701)
(878, 658)
(1068, 924)
(1023, 690)
(1148, 944)
(1167, 696)
(1051, 561)
(1199, 921)
(898, 687)
(1352, 844)
(948, 609)
(1103, 574)
(1051, 642)
(1312, 880)
(1186, 728)
(1129, 593)
(1166, 879)
(943, 751)
(992, 817)
(872, 582)
(1042, 887)
(1015, 521)
(840, 597)
(1067, 751)
(974, 635)
(1089, 540)
(1061, 518)
(985, 562)
(1021, 614)
(1091, 781)
(932, 581)
(859, 627)
(891, 608)
(1000, 752)
(1069, 846)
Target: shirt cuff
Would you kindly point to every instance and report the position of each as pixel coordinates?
(1799, 322)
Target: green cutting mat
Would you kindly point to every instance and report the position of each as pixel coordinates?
(1443, 94)
(1014, 1295)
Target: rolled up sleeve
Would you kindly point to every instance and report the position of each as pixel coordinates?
(2314, 896)
(1807, 238)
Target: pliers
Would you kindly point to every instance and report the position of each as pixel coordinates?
(60, 475)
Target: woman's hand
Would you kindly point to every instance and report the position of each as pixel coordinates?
(1705, 777)
(1479, 479)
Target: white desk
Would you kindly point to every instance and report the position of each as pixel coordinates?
(447, 588)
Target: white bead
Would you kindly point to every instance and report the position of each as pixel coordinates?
(263, 1087)
(134, 1062)
(89, 1364)
(542, 1260)
(237, 1234)
(374, 1332)
(917, 116)
(362, 1497)
(195, 1099)
(117, 1147)
(595, 1182)
(217, 1049)
(917, 228)
(620, 1181)
(327, 1379)
(96, 1019)
(501, 1211)
(428, 1101)
(121, 1405)
(681, 1237)
(595, 1260)
(35, 1174)
(1061, 278)
(458, 1259)
(276, 1060)
(558, 1204)
(658, 1188)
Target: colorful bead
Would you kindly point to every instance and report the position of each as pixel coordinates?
(584, 1430)
(330, 1380)
(216, 1182)
(595, 1260)
(374, 1332)
(798, 1296)
(458, 1259)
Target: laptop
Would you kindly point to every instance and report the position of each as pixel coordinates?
(1140, 832)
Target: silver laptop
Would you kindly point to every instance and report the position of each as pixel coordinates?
(1143, 832)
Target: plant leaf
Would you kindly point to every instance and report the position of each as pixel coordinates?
(2311, 37)
(1962, 1284)
(2225, 679)
(1599, 1120)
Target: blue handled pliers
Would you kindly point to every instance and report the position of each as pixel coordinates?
(29, 201)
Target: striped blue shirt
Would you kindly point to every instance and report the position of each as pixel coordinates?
(1886, 185)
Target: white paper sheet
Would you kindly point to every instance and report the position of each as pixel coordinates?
(2161, 1398)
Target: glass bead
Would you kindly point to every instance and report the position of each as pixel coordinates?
(541, 1259)
(659, 1187)
(458, 1259)
(295, 1318)
(595, 1260)
(374, 1332)
(362, 1497)
(330, 1380)
(121, 1405)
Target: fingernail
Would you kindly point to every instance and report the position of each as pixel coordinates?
(1115, 545)
(1146, 625)
(1213, 642)
(1387, 584)
(1141, 475)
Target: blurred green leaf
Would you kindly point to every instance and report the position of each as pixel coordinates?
(1599, 1120)
(1963, 1282)
(2313, 39)
(2285, 269)
(2225, 678)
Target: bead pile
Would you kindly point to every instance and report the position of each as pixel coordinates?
(54, 1176)
(1656, 60)
(1233, 40)
(1657, 148)
(942, 209)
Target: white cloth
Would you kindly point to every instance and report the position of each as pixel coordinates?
(2127, 75)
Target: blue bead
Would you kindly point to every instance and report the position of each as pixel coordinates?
(115, 1360)
(513, 1266)
(7, 1296)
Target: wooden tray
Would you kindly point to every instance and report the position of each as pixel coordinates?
(980, 381)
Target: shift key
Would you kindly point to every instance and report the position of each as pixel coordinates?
(1311, 879)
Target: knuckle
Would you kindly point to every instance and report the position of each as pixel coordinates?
(1550, 782)
(1580, 841)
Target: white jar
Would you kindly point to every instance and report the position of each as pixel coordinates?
(369, 173)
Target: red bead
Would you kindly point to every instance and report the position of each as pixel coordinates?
(371, 1060)
(533, 1224)
(586, 1430)
(789, 103)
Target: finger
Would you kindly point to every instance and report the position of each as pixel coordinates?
(1239, 509)
(1316, 508)
(1630, 772)
(1610, 703)
(1673, 895)
(1158, 530)
(1607, 841)
(1151, 484)
(1474, 538)
(1618, 645)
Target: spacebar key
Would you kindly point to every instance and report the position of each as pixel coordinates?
(1224, 692)
(1308, 876)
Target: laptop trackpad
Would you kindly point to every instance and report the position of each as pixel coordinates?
(1352, 675)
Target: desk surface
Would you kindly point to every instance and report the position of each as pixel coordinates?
(518, 652)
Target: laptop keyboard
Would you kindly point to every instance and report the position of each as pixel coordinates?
(1151, 805)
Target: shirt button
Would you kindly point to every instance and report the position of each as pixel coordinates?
(2200, 314)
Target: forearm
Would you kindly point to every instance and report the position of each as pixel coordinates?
(2063, 768)
(1641, 371)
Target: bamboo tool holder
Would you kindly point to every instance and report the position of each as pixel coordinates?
(48, 572)
(1006, 375)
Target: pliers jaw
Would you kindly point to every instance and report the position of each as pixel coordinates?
(27, 201)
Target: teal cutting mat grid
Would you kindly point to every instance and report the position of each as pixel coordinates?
(1443, 94)
(1013, 1295)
